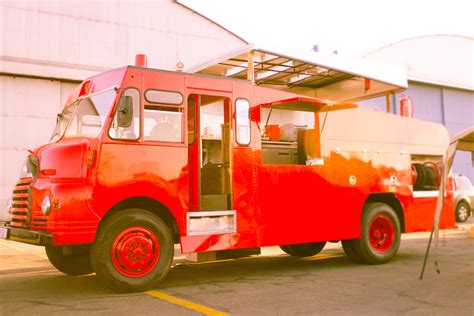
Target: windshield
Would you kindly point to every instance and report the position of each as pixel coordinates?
(85, 117)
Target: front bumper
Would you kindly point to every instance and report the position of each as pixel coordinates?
(39, 238)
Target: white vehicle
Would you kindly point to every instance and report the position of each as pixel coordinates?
(464, 197)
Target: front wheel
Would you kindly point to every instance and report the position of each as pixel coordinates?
(304, 250)
(380, 237)
(462, 212)
(70, 260)
(133, 251)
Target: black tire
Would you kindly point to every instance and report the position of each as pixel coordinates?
(304, 250)
(70, 260)
(462, 212)
(381, 234)
(133, 251)
(350, 250)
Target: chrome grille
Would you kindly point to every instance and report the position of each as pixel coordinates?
(21, 203)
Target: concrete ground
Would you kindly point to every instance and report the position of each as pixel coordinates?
(271, 284)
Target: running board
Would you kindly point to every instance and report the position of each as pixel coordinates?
(221, 255)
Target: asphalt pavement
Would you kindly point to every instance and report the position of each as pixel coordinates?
(270, 284)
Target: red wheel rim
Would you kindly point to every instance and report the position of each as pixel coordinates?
(135, 252)
(381, 233)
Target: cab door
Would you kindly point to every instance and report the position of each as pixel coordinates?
(209, 152)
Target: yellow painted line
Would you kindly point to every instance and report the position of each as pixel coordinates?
(323, 256)
(187, 304)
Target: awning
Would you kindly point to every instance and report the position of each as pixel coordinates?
(313, 74)
(465, 140)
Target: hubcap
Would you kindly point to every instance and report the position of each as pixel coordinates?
(135, 252)
(462, 212)
(381, 234)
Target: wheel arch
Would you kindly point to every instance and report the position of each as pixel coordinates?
(391, 200)
(148, 204)
(464, 199)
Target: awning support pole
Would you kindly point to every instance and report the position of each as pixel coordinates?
(250, 67)
(426, 254)
(388, 101)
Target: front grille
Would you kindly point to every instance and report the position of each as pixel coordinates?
(21, 203)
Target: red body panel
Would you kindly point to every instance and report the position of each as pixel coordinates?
(157, 172)
(274, 204)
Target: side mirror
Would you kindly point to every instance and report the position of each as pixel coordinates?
(125, 111)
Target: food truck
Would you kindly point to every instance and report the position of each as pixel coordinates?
(143, 159)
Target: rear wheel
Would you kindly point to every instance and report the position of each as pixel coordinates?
(462, 212)
(133, 251)
(70, 260)
(304, 250)
(380, 237)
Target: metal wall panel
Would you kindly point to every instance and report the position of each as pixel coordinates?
(427, 101)
(28, 109)
(459, 109)
(459, 115)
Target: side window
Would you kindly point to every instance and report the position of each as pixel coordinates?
(163, 124)
(126, 120)
(242, 121)
(164, 97)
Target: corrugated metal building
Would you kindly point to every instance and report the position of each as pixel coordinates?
(440, 82)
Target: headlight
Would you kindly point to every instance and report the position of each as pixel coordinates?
(30, 168)
(46, 205)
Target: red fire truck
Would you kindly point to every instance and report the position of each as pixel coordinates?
(143, 159)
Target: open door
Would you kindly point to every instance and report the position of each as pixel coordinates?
(209, 153)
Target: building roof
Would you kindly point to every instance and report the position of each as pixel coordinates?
(445, 60)
(211, 21)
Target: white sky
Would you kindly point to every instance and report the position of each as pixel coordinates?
(350, 27)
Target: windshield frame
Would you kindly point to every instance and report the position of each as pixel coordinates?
(69, 113)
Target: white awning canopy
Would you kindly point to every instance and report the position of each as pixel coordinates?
(313, 74)
(464, 140)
